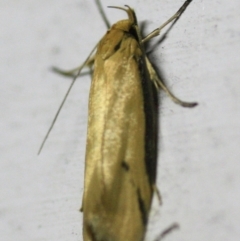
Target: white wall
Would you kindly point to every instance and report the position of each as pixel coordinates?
(199, 163)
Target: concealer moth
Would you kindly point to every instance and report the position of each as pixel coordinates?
(121, 152)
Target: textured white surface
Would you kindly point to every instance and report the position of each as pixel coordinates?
(199, 163)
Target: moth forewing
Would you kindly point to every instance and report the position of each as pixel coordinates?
(121, 139)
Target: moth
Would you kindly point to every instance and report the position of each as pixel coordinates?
(121, 152)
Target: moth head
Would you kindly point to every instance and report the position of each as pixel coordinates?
(129, 25)
(130, 12)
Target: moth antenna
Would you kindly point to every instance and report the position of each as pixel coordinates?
(100, 8)
(64, 99)
(156, 32)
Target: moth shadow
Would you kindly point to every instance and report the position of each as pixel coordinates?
(156, 63)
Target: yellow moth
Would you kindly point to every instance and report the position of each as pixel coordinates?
(121, 152)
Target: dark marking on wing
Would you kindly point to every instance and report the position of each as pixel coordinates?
(125, 166)
(117, 46)
(91, 232)
(133, 32)
(142, 208)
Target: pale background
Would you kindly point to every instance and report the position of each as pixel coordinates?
(199, 163)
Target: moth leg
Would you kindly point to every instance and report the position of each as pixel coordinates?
(68, 73)
(157, 191)
(81, 208)
(157, 31)
(167, 231)
(159, 84)
(75, 71)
